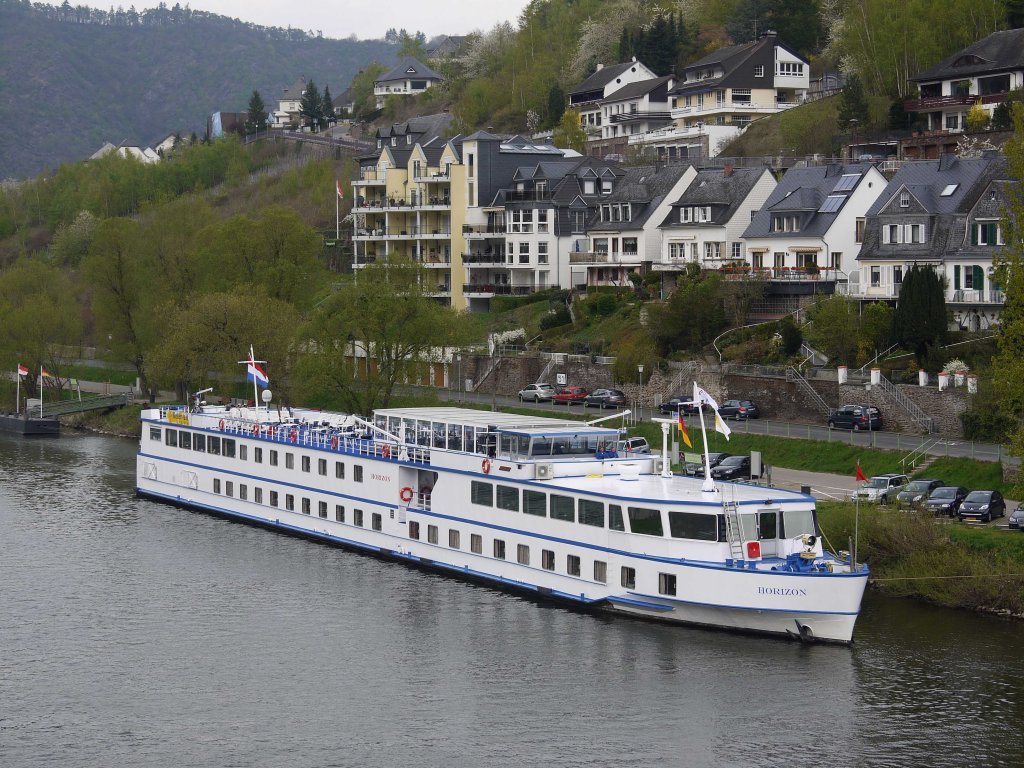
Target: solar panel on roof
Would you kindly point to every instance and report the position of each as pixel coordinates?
(949, 190)
(847, 182)
(832, 204)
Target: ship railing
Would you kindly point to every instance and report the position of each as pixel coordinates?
(421, 501)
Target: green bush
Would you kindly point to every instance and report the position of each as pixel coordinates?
(557, 317)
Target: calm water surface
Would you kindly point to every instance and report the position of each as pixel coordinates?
(138, 634)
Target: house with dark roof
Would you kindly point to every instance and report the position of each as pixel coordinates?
(705, 224)
(586, 97)
(624, 235)
(635, 108)
(946, 214)
(407, 78)
(289, 105)
(721, 94)
(806, 237)
(982, 73)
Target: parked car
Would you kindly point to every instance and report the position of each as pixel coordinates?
(678, 403)
(536, 392)
(1016, 521)
(633, 445)
(881, 488)
(714, 459)
(946, 500)
(570, 395)
(982, 505)
(856, 417)
(738, 409)
(605, 398)
(732, 468)
(917, 492)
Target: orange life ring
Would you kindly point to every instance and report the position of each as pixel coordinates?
(405, 494)
(295, 435)
(221, 425)
(486, 466)
(386, 451)
(334, 442)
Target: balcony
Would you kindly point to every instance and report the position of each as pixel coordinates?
(436, 260)
(525, 195)
(589, 257)
(930, 103)
(490, 230)
(432, 178)
(779, 274)
(484, 289)
(629, 117)
(398, 233)
(482, 259)
(369, 180)
(968, 296)
(401, 203)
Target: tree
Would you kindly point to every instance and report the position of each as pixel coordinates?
(362, 89)
(875, 328)
(853, 105)
(556, 105)
(311, 105)
(327, 106)
(570, 134)
(692, 316)
(920, 318)
(798, 22)
(977, 117)
(256, 117)
(791, 335)
(835, 328)
(414, 46)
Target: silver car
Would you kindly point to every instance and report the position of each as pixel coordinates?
(536, 392)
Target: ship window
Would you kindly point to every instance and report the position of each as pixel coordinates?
(476, 543)
(243, 452)
(376, 521)
(615, 518)
(508, 498)
(547, 560)
(185, 440)
(321, 466)
(305, 463)
(229, 488)
(289, 461)
(796, 522)
(171, 438)
(339, 470)
(646, 521)
(692, 525)
(154, 433)
(482, 494)
(213, 445)
(628, 577)
(216, 485)
(257, 495)
(357, 517)
(591, 513)
(339, 515)
(432, 534)
(289, 502)
(499, 549)
(199, 444)
(322, 508)
(228, 448)
(523, 554)
(357, 472)
(305, 506)
(243, 492)
(273, 498)
(601, 571)
(257, 455)
(414, 530)
(453, 538)
(667, 583)
(535, 503)
(273, 458)
(563, 508)
(572, 565)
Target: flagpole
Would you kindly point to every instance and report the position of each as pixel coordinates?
(709, 484)
(17, 395)
(255, 386)
(337, 211)
(41, 385)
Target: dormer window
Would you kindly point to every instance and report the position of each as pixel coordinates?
(408, 138)
(589, 187)
(782, 223)
(606, 187)
(685, 215)
(759, 70)
(904, 199)
(394, 142)
(380, 143)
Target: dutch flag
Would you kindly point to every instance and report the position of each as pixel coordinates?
(256, 375)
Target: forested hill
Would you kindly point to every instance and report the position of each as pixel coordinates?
(73, 78)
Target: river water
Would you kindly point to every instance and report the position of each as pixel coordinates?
(138, 634)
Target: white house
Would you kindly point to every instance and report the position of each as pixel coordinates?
(408, 78)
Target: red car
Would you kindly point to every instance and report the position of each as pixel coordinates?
(570, 395)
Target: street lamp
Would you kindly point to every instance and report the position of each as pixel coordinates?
(640, 387)
(871, 438)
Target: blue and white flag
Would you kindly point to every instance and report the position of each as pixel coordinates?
(256, 375)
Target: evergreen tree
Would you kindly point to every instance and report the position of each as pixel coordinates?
(310, 106)
(256, 118)
(327, 107)
(625, 46)
(920, 317)
(853, 105)
(556, 104)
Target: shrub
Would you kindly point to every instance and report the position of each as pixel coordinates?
(556, 317)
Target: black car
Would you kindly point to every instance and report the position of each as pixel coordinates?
(678, 403)
(917, 492)
(738, 409)
(856, 417)
(1016, 521)
(605, 398)
(982, 505)
(714, 459)
(732, 468)
(946, 500)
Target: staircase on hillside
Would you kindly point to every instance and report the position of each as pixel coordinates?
(908, 406)
(792, 374)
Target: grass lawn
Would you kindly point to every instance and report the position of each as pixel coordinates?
(970, 473)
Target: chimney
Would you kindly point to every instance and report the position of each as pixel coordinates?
(727, 170)
(599, 67)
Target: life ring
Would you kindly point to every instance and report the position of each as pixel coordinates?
(386, 451)
(405, 494)
(334, 442)
(221, 425)
(485, 465)
(294, 435)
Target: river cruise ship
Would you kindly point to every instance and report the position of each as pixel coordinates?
(522, 502)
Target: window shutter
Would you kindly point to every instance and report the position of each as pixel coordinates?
(974, 235)
(956, 277)
(979, 278)
(991, 239)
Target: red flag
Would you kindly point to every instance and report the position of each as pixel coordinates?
(22, 370)
(682, 432)
(341, 192)
(860, 473)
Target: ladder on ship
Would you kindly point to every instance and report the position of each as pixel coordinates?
(733, 531)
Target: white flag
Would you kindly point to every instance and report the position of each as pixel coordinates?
(721, 426)
(700, 397)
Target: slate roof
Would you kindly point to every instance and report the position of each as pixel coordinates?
(602, 77)
(294, 91)
(998, 52)
(424, 128)
(638, 89)
(643, 184)
(400, 71)
(803, 190)
(711, 187)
